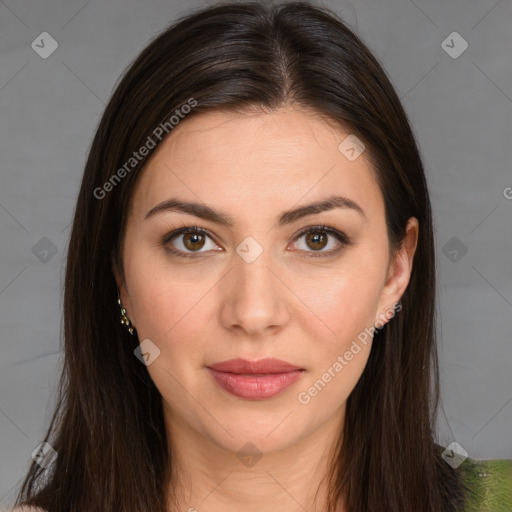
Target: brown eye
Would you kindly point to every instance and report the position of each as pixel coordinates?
(189, 240)
(317, 238)
(193, 241)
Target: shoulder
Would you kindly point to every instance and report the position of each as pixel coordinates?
(488, 484)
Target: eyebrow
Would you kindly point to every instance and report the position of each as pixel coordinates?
(205, 212)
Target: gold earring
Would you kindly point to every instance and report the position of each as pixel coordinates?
(124, 319)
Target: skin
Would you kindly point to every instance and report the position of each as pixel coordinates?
(285, 304)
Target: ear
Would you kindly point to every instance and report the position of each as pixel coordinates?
(399, 273)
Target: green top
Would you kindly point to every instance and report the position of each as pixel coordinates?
(489, 485)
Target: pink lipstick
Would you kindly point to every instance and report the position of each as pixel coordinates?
(255, 380)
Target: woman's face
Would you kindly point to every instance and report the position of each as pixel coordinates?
(255, 284)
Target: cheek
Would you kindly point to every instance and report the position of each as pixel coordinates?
(171, 313)
(172, 307)
(344, 300)
(168, 311)
(160, 293)
(340, 343)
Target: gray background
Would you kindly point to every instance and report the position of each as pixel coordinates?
(460, 108)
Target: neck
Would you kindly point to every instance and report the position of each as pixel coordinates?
(213, 478)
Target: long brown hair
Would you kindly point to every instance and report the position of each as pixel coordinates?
(108, 427)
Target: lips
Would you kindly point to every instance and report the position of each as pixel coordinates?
(262, 366)
(255, 380)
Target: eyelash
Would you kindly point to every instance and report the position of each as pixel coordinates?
(341, 237)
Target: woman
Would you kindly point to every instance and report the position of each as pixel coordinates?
(288, 364)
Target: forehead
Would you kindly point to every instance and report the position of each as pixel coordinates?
(254, 159)
(272, 137)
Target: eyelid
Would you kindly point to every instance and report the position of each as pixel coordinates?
(185, 229)
(342, 238)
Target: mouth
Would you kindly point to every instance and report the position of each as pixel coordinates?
(255, 380)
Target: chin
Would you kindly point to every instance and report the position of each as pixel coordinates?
(266, 432)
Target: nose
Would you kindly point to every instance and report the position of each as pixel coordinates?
(255, 300)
